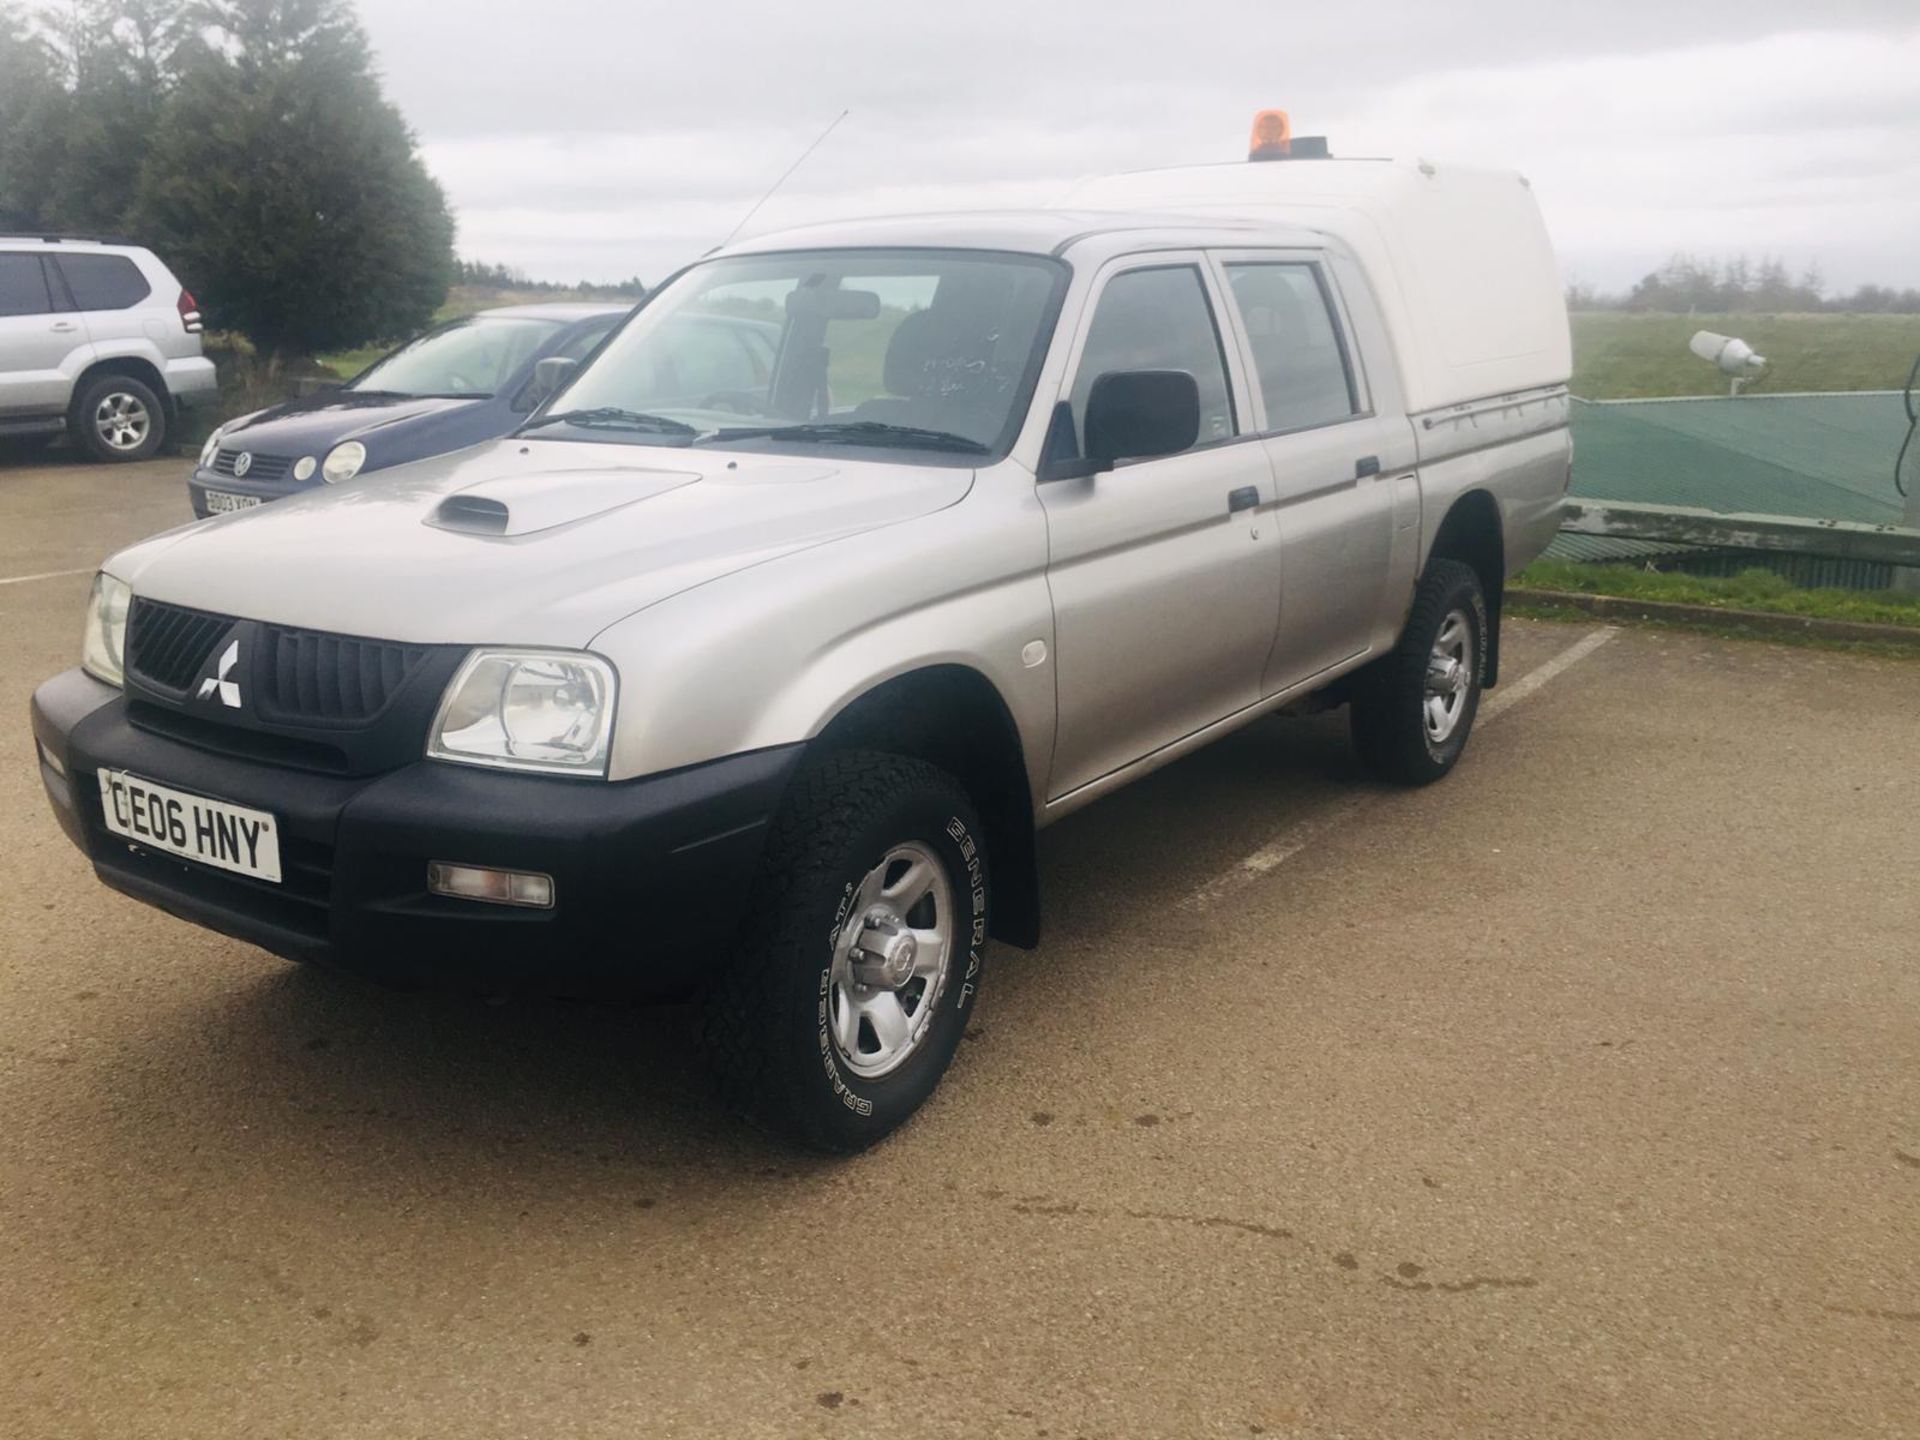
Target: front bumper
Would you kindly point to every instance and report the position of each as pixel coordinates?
(202, 480)
(650, 876)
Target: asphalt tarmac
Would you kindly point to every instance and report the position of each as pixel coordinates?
(1577, 1095)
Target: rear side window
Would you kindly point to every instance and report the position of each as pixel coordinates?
(1157, 320)
(23, 286)
(103, 282)
(1299, 356)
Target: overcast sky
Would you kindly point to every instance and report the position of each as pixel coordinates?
(602, 140)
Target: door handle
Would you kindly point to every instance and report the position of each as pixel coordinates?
(1366, 465)
(1247, 497)
(64, 327)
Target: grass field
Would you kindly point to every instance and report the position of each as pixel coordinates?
(1750, 590)
(1618, 356)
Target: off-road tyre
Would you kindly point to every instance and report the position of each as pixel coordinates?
(767, 1013)
(87, 424)
(1389, 721)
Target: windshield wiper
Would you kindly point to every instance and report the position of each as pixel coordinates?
(616, 418)
(852, 432)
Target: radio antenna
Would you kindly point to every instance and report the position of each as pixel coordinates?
(818, 140)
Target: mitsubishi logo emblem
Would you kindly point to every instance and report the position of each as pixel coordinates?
(242, 462)
(227, 690)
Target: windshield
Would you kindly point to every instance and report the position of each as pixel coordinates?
(890, 349)
(469, 358)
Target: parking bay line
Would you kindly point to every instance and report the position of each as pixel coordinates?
(1298, 836)
(1506, 697)
(47, 575)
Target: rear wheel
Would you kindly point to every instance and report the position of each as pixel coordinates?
(1413, 712)
(860, 957)
(117, 417)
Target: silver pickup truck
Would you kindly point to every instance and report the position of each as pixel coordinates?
(756, 678)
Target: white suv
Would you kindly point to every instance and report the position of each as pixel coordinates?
(98, 339)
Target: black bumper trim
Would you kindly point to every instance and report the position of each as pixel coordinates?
(649, 874)
(266, 491)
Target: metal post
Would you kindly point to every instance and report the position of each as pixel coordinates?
(1907, 577)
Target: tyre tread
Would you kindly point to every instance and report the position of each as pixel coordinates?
(1387, 730)
(825, 806)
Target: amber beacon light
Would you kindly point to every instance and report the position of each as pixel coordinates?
(1272, 137)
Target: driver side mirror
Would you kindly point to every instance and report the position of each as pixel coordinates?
(551, 373)
(1133, 415)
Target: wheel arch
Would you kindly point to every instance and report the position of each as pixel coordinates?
(134, 367)
(1473, 533)
(952, 716)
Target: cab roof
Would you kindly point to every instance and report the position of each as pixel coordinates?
(1031, 232)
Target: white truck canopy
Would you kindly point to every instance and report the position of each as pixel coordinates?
(1458, 257)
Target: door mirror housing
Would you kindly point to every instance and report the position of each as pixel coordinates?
(551, 373)
(1138, 414)
(1131, 415)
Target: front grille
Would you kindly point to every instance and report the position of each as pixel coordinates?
(167, 646)
(262, 745)
(335, 704)
(264, 467)
(333, 679)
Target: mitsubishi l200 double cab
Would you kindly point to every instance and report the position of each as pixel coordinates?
(762, 691)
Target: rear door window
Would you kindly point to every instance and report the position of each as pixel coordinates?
(1299, 354)
(23, 286)
(1157, 319)
(103, 282)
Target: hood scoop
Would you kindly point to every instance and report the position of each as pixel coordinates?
(475, 514)
(528, 504)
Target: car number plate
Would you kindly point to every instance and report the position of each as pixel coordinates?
(230, 837)
(219, 502)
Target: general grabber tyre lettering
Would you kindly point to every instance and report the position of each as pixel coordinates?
(841, 1008)
(1413, 711)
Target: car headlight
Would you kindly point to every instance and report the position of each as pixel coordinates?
(545, 710)
(103, 647)
(343, 462)
(212, 447)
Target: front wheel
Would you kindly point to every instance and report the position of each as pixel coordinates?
(1413, 712)
(861, 954)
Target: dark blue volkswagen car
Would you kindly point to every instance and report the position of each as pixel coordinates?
(467, 381)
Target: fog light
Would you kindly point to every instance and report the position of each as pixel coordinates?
(494, 887)
(51, 761)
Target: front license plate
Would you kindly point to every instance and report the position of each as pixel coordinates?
(219, 502)
(231, 837)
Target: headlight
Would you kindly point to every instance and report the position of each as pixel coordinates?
(544, 710)
(105, 643)
(343, 462)
(212, 447)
